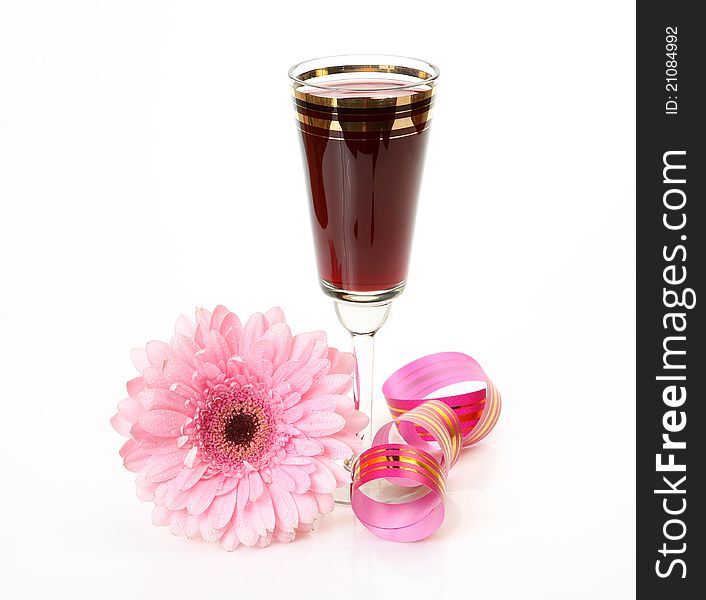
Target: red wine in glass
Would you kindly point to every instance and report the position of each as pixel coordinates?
(364, 158)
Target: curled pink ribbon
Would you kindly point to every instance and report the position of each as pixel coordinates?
(434, 432)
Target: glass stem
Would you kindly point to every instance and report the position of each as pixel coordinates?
(362, 320)
(363, 350)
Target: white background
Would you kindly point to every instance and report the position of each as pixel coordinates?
(135, 185)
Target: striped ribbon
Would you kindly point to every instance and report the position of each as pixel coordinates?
(435, 431)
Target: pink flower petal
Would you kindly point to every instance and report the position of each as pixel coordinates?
(292, 415)
(160, 515)
(254, 329)
(185, 348)
(135, 460)
(341, 362)
(256, 486)
(146, 493)
(286, 370)
(322, 480)
(302, 345)
(326, 403)
(289, 430)
(300, 477)
(252, 516)
(162, 468)
(335, 448)
(290, 400)
(184, 326)
(177, 370)
(185, 391)
(219, 347)
(243, 493)
(159, 445)
(203, 356)
(221, 511)
(157, 353)
(282, 479)
(202, 494)
(229, 484)
(191, 527)
(138, 433)
(315, 368)
(356, 421)
(230, 321)
(337, 383)
(306, 446)
(267, 511)
(350, 439)
(207, 532)
(187, 478)
(274, 316)
(280, 337)
(344, 404)
(244, 527)
(127, 447)
(201, 336)
(319, 335)
(175, 499)
(165, 399)
(178, 522)
(203, 318)
(219, 314)
(139, 359)
(162, 422)
(263, 348)
(320, 423)
(121, 425)
(342, 476)
(283, 536)
(212, 372)
(234, 338)
(257, 359)
(280, 389)
(135, 386)
(229, 539)
(141, 480)
(154, 378)
(161, 491)
(320, 351)
(303, 462)
(306, 507)
(286, 517)
(325, 503)
(192, 457)
(300, 383)
(234, 367)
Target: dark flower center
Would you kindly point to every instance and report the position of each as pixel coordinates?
(237, 428)
(240, 428)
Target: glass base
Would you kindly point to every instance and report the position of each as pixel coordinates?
(342, 495)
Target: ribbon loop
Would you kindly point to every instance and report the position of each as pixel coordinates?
(431, 428)
(478, 411)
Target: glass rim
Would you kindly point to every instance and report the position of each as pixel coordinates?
(373, 63)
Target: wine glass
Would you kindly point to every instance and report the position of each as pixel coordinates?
(364, 122)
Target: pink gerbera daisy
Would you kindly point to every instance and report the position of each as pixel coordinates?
(234, 431)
